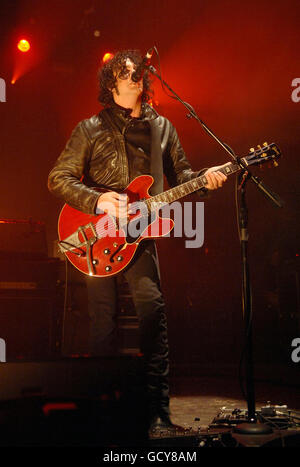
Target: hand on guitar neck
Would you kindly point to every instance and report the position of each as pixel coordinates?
(214, 177)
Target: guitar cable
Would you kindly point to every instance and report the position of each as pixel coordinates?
(65, 307)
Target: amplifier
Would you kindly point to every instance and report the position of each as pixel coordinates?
(22, 238)
(28, 308)
(27, 327)
(19, 275)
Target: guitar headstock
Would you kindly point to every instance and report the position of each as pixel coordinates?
(265, 153)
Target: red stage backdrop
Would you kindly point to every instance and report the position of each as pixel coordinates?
(235, 62)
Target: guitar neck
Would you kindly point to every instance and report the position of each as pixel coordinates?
(186, 188)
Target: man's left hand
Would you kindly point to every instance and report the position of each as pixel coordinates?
(215, 178)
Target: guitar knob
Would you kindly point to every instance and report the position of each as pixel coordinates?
(107, 268)
(119, 258)
(106, 251)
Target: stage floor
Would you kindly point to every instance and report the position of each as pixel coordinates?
(203, 398)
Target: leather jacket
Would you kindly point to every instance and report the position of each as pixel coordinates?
(95, 156)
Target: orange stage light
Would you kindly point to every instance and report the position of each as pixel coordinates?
(23, 45)
(107, 56)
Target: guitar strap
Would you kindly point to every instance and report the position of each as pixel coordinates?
(156, 165)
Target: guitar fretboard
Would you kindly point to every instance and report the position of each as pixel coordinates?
(186, 188)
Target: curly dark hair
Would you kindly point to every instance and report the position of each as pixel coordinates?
(107, 79)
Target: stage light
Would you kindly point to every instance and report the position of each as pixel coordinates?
(23, 45)
(107, 56)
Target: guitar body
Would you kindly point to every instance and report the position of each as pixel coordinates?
(96, 246)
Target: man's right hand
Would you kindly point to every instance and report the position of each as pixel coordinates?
(114, 203)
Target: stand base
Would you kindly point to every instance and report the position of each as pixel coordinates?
(253, 429)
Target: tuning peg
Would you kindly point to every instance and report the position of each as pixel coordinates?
(252, 150)
(265, 144)
(259, 146)
(264, 154)
(275, 164)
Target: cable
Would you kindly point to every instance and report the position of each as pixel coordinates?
(65, 306)
(240, 376)
(160, 72)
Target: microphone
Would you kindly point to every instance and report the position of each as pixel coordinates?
(140, 70)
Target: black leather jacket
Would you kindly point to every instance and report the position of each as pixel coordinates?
(95, 156)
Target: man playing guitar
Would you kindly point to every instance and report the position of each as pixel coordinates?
(110, 150)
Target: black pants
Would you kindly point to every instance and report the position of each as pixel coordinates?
(144, 282)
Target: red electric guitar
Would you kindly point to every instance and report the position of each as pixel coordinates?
(101, 245)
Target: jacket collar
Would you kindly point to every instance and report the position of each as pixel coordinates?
(147, 112)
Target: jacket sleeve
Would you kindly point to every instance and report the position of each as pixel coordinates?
(64, 180)
(176, 166)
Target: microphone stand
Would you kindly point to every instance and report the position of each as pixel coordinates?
(252, 427)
